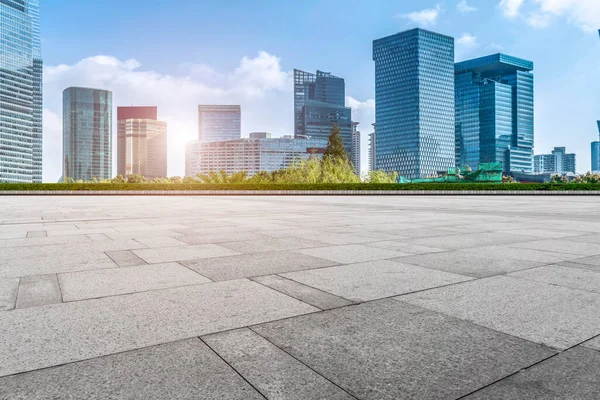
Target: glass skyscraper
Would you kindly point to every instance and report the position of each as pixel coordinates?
(494, 112)
(21, 91)
(596, 153)
(320, 103)
(87, 134)
(414, 103)
(219, 122)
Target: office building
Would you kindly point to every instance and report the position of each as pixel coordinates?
(87, 134)
(494, 112)
(372, 150)
(319, 104)
(219, 122)
(558, 162)
(260, 135)
(596, 153)
(414, 103)
(141, 142)
(21, 92)
(356, 147)
(250, 155)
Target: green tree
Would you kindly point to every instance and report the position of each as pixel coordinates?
(175, 179)
(136, 178)
(382, 177)
(558, 178)
(119, 179)
(335, 149)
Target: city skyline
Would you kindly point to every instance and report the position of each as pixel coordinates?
(259, 81)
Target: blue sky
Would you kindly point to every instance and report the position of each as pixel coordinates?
(185, 52)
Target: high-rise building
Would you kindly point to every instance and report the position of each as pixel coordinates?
(356, 147)
(558, 162)
(414, 103)
(494, 112)
(20, 91)
(319, 103)
(372, 150)
(87, 134)
(596, 153)
(249, 155)
(218, 122)
(141, 142)
(260, 135)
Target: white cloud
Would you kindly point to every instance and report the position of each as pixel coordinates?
(511, 8)
(464, 8)
(464, 45)
(584, 14)
(363, 112)
(425, 17)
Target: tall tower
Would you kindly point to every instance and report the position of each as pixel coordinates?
(87, 134)
(141, 142)
(596, 153)
(356, 148)
(319, 103)
(494, 112)
(21, 88)
(414, 103)
(219, 122)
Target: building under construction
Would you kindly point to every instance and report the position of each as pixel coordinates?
(487, 172)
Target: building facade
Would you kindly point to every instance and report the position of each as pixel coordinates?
(21, 92)
(219, 122)
(87, 134)
(372, 151)
(319, 103)
(596, 153)
(494, 112)
(558, 162)
(414, 103)
(250, 155)
(356, 148)
(141, 142)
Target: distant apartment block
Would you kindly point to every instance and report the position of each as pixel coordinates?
(319, 103)
(596, 153)
(356, 147)
(87, 134)
(372, 149)
(219, 122)
(141, 142)
(414, 103)
(260, 135)
(250, 155)
(557, 162)
(494, 112)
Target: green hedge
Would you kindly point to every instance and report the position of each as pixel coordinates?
(322, 186)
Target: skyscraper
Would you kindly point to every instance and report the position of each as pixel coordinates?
(414, 103)
(558, 162)
(219, 122)
(87, 134)
(141, 142)
(319, 103)
(21, 91)
(372, 150)
(356, 147)
(494, 112)
(596, 153)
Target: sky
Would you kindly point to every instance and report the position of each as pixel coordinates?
(182, 53)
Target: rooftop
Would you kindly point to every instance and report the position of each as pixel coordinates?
(495, 62)
(354, 297)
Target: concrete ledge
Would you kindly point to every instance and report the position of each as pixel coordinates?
(299, 193)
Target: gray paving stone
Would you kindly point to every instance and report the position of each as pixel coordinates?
(405, 247)
(55, 263)
(570, 375)
(41, 337)
(160, 241)
(351, 253)
(554, 316)
(115, 281)
(41, 241)
(593, 343)
(374, 280)
(190, 252)
(8, 293)
(546, 257)
(37, 234)
(257, 264)
(41, 290)
(588, 261)
(125, 258)
(469, 240)
(559, 275)
(215, 238)
(186, 369)
(98, 237)
(563, 246)
(307, 294)
(390, 350)
(272, 244)
(592, 238)
(276, 374)
(543, 233)
(470, 264)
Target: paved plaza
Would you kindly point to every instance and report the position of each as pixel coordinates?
(346, 297)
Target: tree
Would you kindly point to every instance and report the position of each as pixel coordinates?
(136, 178)
(119, 179)
(335, 149)
(382, 177)
(558, 178)
(508, 179)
